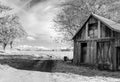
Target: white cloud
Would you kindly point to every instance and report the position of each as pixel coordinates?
(37, 20)
(31, 38)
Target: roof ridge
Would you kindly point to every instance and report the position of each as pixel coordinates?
(114, 25)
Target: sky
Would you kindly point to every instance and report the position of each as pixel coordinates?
(37, 16)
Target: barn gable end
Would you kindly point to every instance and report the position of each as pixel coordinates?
(107, 23)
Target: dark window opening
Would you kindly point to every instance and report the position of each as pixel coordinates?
(83, 52)
(93, 30)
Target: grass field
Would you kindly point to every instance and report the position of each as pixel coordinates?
(53, 71)
(74, 73)
(50, 70)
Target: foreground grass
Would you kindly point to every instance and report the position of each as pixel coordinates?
(59, 70)
(64, 67)
(28, 63)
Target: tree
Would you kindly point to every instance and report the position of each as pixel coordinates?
(10, 30)
(75, 12)
(10, 27)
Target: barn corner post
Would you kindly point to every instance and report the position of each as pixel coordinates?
(74, 52)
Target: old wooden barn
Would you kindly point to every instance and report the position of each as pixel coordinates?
(98, 43)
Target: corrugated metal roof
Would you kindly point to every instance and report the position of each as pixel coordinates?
(111, 24)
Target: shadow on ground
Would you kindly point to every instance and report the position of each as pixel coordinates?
(29, 64)
(55, 66)
(66, 67)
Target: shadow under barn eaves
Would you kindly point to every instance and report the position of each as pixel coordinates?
(29, 64)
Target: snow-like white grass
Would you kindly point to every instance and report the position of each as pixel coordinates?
(9, 74)
(62, 77)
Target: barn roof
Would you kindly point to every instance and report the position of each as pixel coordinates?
(111, 24)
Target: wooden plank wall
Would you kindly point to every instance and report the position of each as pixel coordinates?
(92, 20)
(81, 34)
(116, 43)
(91, 51)
(113, 52)
(105, 52)
(116, 35)
(77, 52)
(105, 31)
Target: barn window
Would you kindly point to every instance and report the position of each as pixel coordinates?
(93, 30)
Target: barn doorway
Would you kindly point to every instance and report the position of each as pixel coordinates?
(83, 52)
(118, 57)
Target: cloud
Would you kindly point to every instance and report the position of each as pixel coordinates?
(36, 17)
(39, 19)
(31, 38)
(34, 2)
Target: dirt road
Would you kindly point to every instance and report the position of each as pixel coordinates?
(45, 65)
(40, 71)
(33, 65)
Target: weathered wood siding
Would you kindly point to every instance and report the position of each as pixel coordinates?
(116, 44)
(92, 20)
(105, 31)
(77, 51)
(104, 53)
(81, 34)
(91, 51)
(116, 35)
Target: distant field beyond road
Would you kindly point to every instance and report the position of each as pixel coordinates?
(45, 54)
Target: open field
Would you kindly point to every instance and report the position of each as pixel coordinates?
(54, 54)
